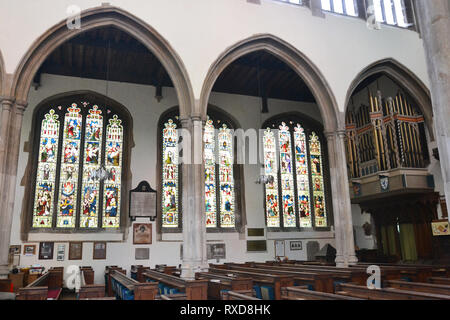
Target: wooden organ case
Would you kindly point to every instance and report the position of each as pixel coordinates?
(387, 156)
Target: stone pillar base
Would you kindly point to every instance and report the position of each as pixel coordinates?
(188, 270)
(340, 261)
(352, 260)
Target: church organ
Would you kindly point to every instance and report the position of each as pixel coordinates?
(385, 134)
(387, 157)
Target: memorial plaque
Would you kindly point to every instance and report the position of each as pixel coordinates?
(215, 251)
(46, 250)
(143, 201)
(75, 250)
(142, 253)
(99, 250)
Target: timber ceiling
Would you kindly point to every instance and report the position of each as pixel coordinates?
(87, 56)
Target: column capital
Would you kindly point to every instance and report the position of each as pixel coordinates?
(340, 133)
(20, 107)
(7, 102)
(186, 121)
(329, 134)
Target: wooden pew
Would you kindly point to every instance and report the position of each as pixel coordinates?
(194, 289)
(176, 296)
(276, 282)
(108, 271)
(437, 270)
(358, 275)
(218, 283)
(363, 292)
(7, 290)
(137, 271)
(438, 280)
(133, 271)
(126, 288)
(5, 285)
(302, 293)
(89, 290)
(46, 287)
(87, 274)
(239, 295)
(336, 274)
(321, 281)
(418, 286)
(415, 273)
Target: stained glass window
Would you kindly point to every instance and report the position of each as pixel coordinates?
(315, 151)
(113, 165)
(301, 164)
(210, 174)
(67, 193)
(70, 163)
(298, 180)
(45, 184)
(91, 160)
(220, 189)
(287, 177)
(170, 176)
(271, 169)
(226, 180)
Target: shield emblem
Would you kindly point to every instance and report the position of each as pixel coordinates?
(384, 183)
(357, 188)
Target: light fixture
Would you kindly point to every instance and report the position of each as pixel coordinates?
(100, 174)
(263, 179)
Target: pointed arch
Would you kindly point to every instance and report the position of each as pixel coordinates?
(406, 79)
(293, 58)
(102, 16)
(2, 74)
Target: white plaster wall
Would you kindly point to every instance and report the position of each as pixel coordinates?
(145, 110)
(200, 30)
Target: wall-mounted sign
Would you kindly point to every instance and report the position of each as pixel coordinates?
(296, 245)
(440, 228)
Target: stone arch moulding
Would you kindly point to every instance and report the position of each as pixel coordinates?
(102, 16)
(2, 75)
(293, 58)
(404, 78)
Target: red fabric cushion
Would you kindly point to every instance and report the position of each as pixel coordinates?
(54, 293)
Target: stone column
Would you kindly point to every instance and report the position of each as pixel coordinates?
(11, 125)
(344, 199)
(434, 22)
(343, 224)
(338, 226)
(193, 202)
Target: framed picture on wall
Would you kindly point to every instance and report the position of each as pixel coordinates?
(142, 233)
(15, 249)
(29, 249)
(99, 250)
(296, 245)
(75, 250)
(279, 248)
(61, 252)
(142, 253)
(46, 250)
